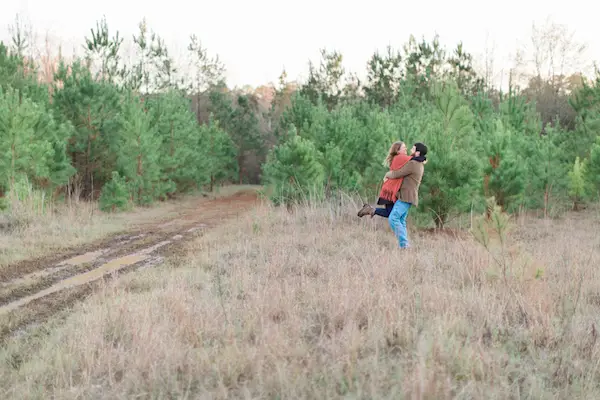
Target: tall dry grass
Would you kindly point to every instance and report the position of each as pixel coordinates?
(319, 304)
(33, 225)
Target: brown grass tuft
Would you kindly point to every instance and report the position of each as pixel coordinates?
(319, 304)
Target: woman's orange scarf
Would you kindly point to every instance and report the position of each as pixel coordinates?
(391, 187)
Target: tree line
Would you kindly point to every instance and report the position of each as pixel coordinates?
(534, 146)
(134, 133)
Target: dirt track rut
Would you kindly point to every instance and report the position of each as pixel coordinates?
(32, 290)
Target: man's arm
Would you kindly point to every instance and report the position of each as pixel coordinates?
(407, 169)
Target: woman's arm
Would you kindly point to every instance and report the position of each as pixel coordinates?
(407, 169)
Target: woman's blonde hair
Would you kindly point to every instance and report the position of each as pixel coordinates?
(394, 150)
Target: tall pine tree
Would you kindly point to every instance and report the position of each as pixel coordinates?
(138, 154)
(182, 158)
(92, 107)
(32, 143)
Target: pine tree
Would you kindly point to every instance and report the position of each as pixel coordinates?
(166, 72)
(362, 135)
(102, 53)
(505, 171)
(463, 73)
(155, 69)
(383, 78)
(586, 102)
(115, 194)
(577, 184)
(31, 143)
(484, 114)
(182, 158)
(10, 63)
(221, 106)
(593, 170)
(92, 108)
(293, 170)
(240, 122)
(325, 83)
(283, 100)
(453, 171)
(19, 74)
(546, 171)
(423, 64)
(450, 179)
(245, 132)
(219, 153)
(206, 71)
(518, 114)
(57, 134)
(308, 119)
(138, 154)
(21, 37)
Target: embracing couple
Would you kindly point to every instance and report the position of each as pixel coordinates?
(400, 188)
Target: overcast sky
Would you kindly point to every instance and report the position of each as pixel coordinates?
(257, 39)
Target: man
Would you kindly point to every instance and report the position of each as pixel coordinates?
(408, 195)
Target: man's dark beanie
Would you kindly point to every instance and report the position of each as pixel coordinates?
(421, 148)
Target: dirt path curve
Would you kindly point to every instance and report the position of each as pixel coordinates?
(32, 290)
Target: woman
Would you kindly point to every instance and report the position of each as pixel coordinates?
(395, 160)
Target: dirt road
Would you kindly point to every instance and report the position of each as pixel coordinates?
(32, 290)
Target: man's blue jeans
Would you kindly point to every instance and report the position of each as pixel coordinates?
(397, 221)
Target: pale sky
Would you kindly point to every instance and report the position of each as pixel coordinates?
(257, 39)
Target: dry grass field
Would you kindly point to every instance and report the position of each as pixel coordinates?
(317, 303)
